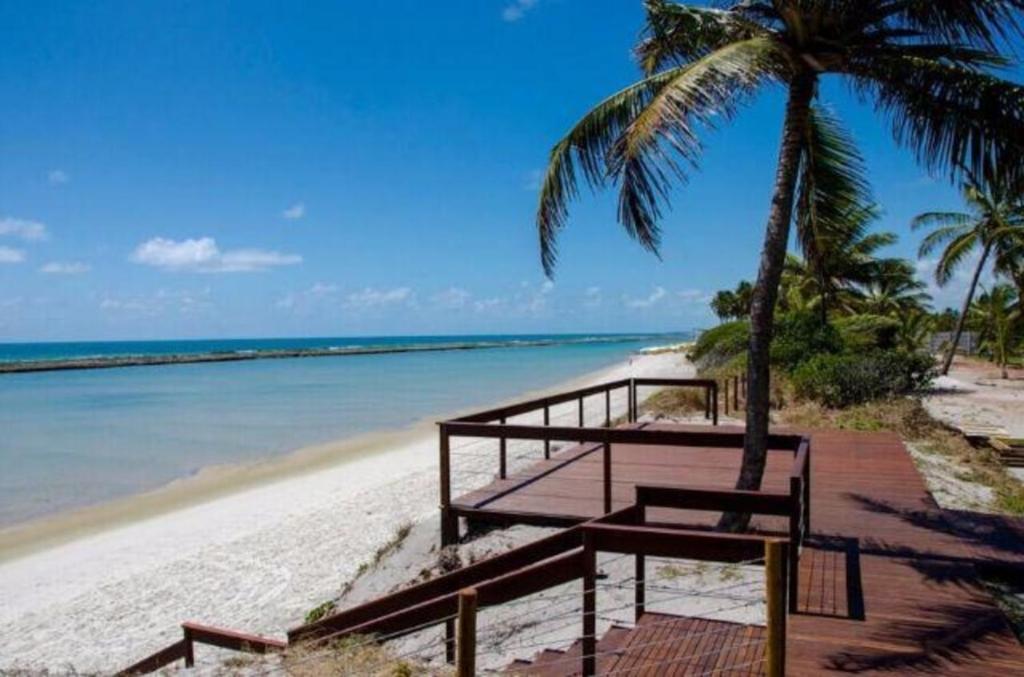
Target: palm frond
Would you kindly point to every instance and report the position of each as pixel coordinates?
(955, 253)
(833, 194)
(669, 125)
(952, 117)
(939, 237)
(943, 219)
(585, 147)
(676, 34)
(981, 22)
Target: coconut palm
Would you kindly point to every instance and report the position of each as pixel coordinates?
(845, 262)
(993, 224)
(926, 65)
(916, 327)
(895, 291)
(996, 314)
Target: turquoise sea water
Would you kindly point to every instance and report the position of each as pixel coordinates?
(77, 438)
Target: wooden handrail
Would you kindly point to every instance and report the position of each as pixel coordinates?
(195, 633)
(534, 405)
(471, 575)
(665, 542)
(639, 436)
(698, 498)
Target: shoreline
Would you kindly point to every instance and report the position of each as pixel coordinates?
(218, 481)
(255, 558)
(119, 361)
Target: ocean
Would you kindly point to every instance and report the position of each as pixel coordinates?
(82, 437)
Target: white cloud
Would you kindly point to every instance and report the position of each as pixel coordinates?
(203, 255)
(517, 9)
(162, 302)
(24, 229)
(651, 299)
(8, 255)
(322, 289)
(305, 299)
(452, 298)
(296, 211)
(483, 305)
(57, 177)
(374, 298)
(250, 260)
(952, 294)
(592, 297)
(65, 268)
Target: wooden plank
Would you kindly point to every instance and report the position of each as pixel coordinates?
(465, 577)
(698, 498)
(231, 639)
(157, 660)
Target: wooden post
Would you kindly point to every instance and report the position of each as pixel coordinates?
(589, 640)
(775, 586)
(725, 382)
(465, 638)
(707, 402)
(736, 392)
(632, 401)
(190, 656)
(607, 478)
(807, 493)
(639, 576)
(581, 416)
(449, 522)
(502, 466)
(608, 408)
(547, 422)
(714, 404)
(795, 517)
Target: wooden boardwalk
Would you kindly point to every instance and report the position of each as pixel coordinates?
(703, 647)
(888, 581)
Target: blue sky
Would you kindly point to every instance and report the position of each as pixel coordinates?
(212, 169)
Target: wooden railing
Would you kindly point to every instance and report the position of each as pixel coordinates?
(194, 633)
(493, 424)
(560, 558)
(564, 557)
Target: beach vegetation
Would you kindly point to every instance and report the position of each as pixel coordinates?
(992, 228)
(842, 380)
(929, 68)
(733, 304)
(996, 316)
(321, 611)
(354, 655)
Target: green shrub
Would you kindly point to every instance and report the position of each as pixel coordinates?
(844, 380)
(717, 346)
(801, 336)
(868, 332)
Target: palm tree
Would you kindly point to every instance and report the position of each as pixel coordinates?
(995, 313)
(925, 64)
(916, 327)
(844, 264)
(994, 222)
(895, 291)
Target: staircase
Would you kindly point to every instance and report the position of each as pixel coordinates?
(558, 662)
(660, 644)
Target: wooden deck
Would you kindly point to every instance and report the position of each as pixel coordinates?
(888, 581)
(704, 647)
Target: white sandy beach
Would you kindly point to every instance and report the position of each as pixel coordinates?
(254, 559)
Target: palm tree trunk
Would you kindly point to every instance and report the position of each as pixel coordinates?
(962, 320)
(766, 290)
